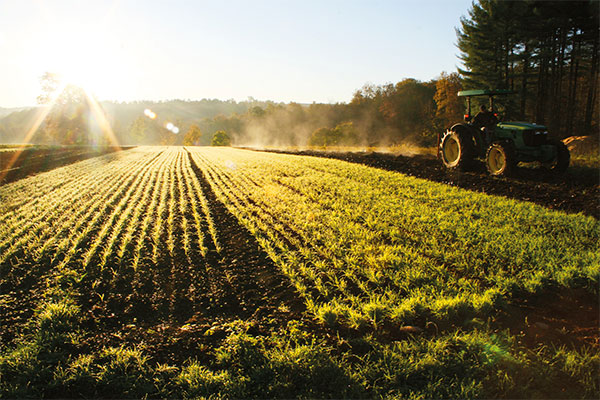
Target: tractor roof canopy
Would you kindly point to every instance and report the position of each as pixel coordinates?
(483, 92)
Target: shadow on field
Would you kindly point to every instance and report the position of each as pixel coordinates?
(245, 282)
(180, 305)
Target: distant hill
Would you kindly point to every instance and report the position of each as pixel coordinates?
(6, 111)
(179, 112)
(15, 122)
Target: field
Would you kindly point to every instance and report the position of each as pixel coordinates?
(197, 272)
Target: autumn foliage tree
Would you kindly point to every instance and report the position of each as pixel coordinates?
(449, 107)
(395, 112)
(192, 136)
(221, 138)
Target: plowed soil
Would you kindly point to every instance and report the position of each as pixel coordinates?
(21, 163)
(577, 190)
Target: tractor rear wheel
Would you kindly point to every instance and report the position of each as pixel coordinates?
(563, 157)
(500, 159)
(457, 150)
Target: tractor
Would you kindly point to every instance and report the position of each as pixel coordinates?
(501, 145)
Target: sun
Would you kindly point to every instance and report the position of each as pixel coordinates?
(88, 58)
(78, 47)
(94, 66)
(91, 57)
(83, 46)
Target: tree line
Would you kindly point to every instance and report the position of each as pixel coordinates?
(377, 115)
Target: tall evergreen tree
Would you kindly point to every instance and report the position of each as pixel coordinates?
(546, 51)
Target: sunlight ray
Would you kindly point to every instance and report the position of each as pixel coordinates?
(39, 117)
(100, 116)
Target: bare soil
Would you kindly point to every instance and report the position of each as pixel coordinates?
(556, 316)
(19, 164)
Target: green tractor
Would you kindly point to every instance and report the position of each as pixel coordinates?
(501, 145)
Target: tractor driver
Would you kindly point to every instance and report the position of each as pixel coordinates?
(484, 118)
(484, 121)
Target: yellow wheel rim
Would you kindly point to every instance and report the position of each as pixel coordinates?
(496, 160)
(451, 151)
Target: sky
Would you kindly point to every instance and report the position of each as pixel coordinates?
(303, 51)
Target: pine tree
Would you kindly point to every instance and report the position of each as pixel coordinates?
(546, 51)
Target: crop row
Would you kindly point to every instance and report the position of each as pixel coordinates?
(128, 238)
(126, 233)
(363, 245)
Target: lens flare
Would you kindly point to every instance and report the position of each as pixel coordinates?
(171, 127)
(149, 113)
(231, 165)
(42, 112)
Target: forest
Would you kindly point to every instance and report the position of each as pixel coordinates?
(546, 52)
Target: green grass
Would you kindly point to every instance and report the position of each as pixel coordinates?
(294, 364)
(376, 245)
(369, 253)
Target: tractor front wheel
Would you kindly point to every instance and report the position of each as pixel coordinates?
(563, 157)
(456, 150)
(500, 159)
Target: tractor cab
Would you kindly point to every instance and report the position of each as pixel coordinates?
(485, 92)
(501, 145)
